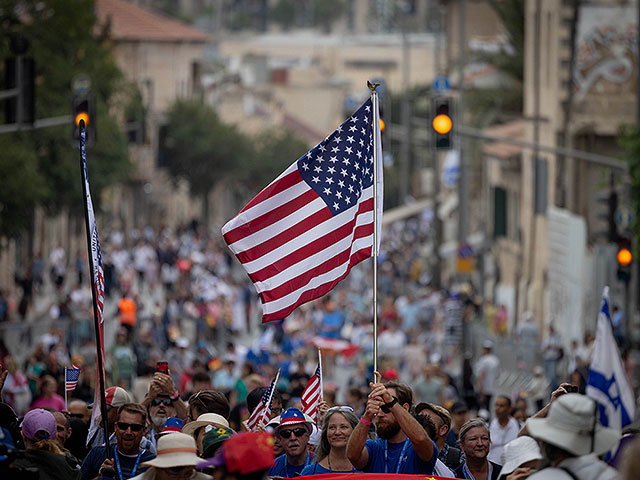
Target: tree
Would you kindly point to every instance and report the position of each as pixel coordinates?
(63, 44)
(275, 151)
(202, 149)
(489, 104)
(629, 139)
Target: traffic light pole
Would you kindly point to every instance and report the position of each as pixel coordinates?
(463, 181)
(42, 123)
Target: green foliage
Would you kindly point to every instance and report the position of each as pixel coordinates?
(275, 151)
(325, 12)
(63, 45)
(22, 185)
(201, 148)
(284, 13)
(488, 105)
(629, 139)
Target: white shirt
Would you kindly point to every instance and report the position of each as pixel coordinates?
(441, 470)
(587, 467)
(487, 364)
(500, 437)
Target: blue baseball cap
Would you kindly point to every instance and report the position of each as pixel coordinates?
(293, 416)
(172, 425)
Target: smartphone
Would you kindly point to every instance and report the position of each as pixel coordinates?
(163, 367)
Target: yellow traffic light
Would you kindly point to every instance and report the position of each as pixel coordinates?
(82, 116)
(381, 125)
(624, 257)
(442, 124)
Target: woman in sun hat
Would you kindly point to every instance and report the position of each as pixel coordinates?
(520, 458)
(197, 428)
(176, 460)
(570, 439)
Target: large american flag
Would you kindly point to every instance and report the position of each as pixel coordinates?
(97, 280)
(263, 409)
(71, 378)
(302, 234)
(312, 394)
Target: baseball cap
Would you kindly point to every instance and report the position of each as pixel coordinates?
(214, 436)
(459, 407)
(115, 397)
(36, 421)
(173, 424)
(292, 416)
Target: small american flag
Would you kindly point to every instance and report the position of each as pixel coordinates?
(263, 409)
(302, 234)
(312, 395)
(71, 378)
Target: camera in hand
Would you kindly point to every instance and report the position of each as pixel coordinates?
(571, 388)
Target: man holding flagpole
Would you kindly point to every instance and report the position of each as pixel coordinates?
(403, 445)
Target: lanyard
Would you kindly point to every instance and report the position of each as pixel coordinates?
(135, 465)
(469, 476)
(307, 461)
(401, 459)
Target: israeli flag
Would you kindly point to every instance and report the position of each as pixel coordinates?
(607, 383)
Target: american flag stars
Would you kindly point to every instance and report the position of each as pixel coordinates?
(340, 188)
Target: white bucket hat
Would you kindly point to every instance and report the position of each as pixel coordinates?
(519, 451)
(570, 426)
(204, 420)
(175, 450)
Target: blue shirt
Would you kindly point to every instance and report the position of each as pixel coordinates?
(409, 463)
(282, 468)
(317, 469)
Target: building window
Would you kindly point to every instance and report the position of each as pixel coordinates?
(499, 212)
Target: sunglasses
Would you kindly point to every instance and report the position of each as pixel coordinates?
(179, 469)
(341, 408)
(157, 401)
(135, 427)
(76, 415)
(298, 432)
(386, 409)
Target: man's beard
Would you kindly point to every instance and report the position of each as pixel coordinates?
(387, 431)
(158, 422)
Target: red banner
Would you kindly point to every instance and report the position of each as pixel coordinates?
(373, 476)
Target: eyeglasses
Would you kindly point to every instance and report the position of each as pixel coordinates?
(298, 432)
(165, 401)
(135, 427)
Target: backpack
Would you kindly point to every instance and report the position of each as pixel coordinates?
(453, 458)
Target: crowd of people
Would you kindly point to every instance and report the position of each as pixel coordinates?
(176, 297)
(165, 437)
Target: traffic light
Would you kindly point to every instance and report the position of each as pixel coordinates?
(624, 258)
(441, 123)
(611, 201)
(83, 108)
(25, 80)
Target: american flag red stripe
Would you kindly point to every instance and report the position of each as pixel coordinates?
(71, 378)
(263, 409)
(304, 232)
(312, 395)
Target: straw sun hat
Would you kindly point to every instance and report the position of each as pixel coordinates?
(175, 450)
(572, 425)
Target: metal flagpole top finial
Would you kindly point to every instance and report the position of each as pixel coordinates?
(372, 86)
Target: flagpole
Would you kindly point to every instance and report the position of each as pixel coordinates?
(65, 389)
(376, 125)
(321, 375)
(96, 321)
(275, 385)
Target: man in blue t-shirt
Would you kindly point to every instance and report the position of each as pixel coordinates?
(402, 446)
(293, 433)
(127, 456)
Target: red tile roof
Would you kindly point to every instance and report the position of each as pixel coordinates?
(127, 21)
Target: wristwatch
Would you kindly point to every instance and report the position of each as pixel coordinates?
(391, 403)
(175, 396)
